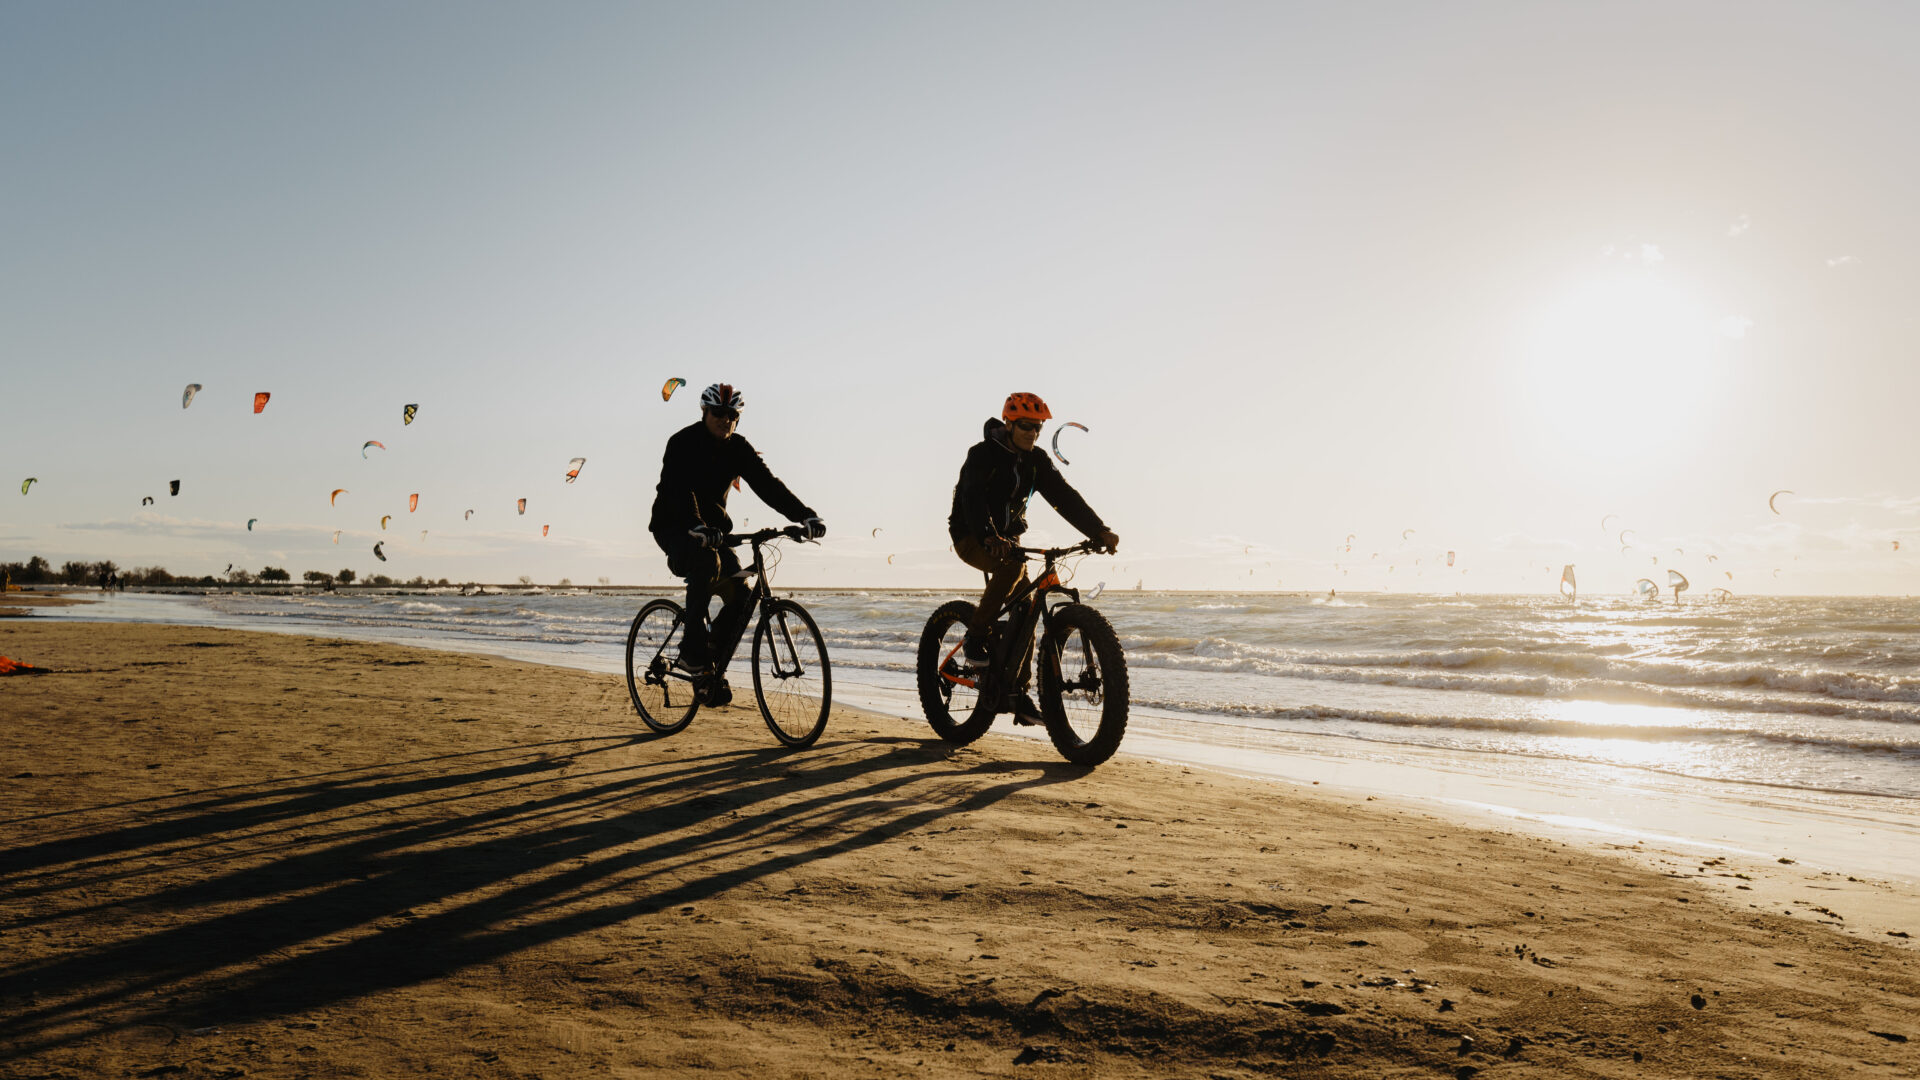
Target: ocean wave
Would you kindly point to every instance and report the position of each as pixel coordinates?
(1536, 686)
(1824, 682)
(1534, 726)
(421, 607)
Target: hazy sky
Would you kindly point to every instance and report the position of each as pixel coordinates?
(1484, 271)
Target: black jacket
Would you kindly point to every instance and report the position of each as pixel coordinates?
(997, 480)
(697, 470)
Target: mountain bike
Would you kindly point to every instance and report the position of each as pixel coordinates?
(1082, 670)
(792, 679)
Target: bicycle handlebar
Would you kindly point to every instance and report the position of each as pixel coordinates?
(791, 532)
(1087, 546)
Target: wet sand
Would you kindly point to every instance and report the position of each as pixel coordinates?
(227, 854)
(22, 604)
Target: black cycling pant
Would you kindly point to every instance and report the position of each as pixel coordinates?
(707, 572)
(1004, 575)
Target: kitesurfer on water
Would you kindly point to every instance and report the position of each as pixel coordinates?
(1001, 473)
(690, 521)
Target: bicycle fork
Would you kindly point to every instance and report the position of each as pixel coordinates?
(787, 665)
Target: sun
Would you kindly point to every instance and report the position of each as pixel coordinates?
(1626, 358)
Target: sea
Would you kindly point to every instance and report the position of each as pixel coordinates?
(1816, 698)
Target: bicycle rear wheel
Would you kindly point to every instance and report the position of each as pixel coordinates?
(792, 677)
(662, 696)
(1083, 685)
(950, 696)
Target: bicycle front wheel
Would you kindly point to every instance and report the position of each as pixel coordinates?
(791, 675)
(1083, 685)
(661, 695)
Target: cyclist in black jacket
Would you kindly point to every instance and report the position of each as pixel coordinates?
(690, 519)
(1001, 473)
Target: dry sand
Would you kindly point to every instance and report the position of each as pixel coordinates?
(229, 854)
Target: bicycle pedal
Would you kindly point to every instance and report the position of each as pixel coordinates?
(716, 695)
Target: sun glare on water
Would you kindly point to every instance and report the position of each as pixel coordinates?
(1622, 364)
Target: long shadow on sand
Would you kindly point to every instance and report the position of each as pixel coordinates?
(278, 900)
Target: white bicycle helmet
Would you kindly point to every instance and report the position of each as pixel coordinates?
(721, 396)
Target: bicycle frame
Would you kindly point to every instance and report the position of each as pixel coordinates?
(1030, 597)
(757, 598)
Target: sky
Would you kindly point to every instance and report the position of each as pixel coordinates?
(1487, 272)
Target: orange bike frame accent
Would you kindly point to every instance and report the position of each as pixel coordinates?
(968, 683)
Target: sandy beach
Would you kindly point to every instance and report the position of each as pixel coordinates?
(232, 854)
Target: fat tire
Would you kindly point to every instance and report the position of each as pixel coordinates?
(665, 723)
(957, 730)
(760, 632)
(1097, 631)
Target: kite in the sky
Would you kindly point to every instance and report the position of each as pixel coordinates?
(1677, 581)
(27, 483)
(423, 536)
(1713, 558)
(384, 518)
(667, 388)
(260, 401)
(1775, 495)
(377, 553)
(334, 498)
(1623, 536)
(1406, 534)
(889, 560)
(573, 469)
(413, 502)
(876, 531)
(544, 528)
(1604, 520)
(1449, 558)
(523, 506)
(173, 487)
(407, 413)
(148, 501)
(469, 516)
(250, 522)
(370, 442)
(186, 396)
(336, 536)
(1056, 439)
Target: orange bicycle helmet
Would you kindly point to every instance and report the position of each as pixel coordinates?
(1025, 407)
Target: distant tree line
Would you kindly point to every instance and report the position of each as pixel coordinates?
(38, 571)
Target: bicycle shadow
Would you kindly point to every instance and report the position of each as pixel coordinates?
(286, 899)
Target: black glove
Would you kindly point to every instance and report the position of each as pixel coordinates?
(998, 546)
(708, 536)
(815, 528)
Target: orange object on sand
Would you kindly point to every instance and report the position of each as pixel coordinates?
(16, 667)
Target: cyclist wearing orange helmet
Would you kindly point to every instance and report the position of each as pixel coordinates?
(1002, 472)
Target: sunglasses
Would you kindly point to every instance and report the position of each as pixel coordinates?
(730, 415)
(1032, 426)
